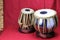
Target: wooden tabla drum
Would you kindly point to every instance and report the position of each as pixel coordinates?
(26, 20)
(45, 22)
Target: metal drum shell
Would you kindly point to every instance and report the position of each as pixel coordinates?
(38, 27)
(46, 21)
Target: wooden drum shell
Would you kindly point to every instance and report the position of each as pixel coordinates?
(26, 21)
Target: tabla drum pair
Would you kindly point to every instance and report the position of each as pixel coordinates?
(44, 21)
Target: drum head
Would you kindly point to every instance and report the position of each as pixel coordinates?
(44, 13)
(27, 10)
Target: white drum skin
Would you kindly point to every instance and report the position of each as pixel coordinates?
(45, 21)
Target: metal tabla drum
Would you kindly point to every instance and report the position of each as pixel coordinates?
(26, 20)
(45, 22)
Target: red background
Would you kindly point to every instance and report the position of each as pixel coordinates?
(12, 11)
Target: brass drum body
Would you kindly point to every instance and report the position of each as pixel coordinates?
(26, 20)
(45, 22)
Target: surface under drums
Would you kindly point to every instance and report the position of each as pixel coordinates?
(1, 15)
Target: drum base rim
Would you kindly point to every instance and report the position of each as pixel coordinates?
(48, 35)
(27, 31)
